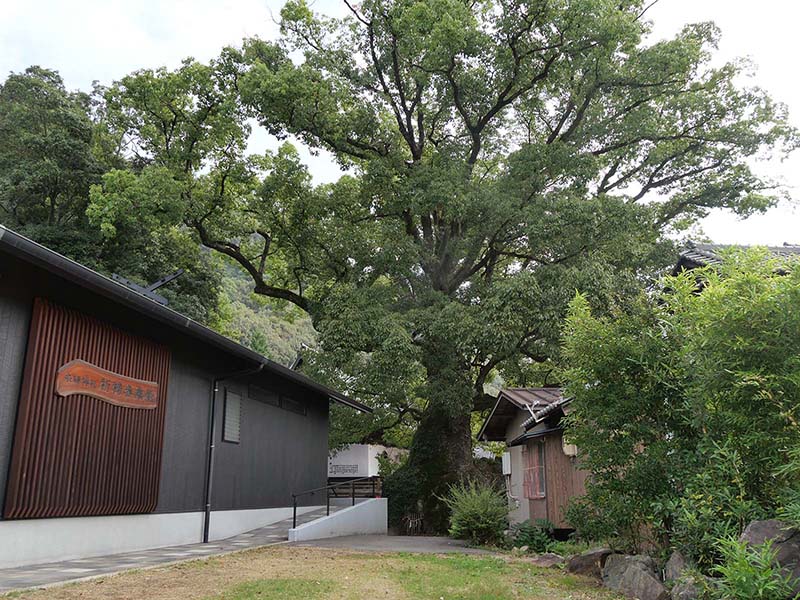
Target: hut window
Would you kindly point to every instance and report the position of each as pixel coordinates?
(534, 479)
(232, 417)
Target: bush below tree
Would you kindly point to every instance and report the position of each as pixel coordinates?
(686, 409)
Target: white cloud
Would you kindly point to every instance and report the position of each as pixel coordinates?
(106, 39)
(766, 33)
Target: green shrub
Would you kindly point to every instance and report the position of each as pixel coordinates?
(536, 535)
(569, 547)
(684, 406)
(749, 573)
(789, 495)
(478, 512)
(715, 505)
(400, 487)
(602, 515)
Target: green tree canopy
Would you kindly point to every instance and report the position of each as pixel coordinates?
(46, 158)
(54, 145)
(502, 154)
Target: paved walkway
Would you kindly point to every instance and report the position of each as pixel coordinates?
(395, 543)
(60, 572)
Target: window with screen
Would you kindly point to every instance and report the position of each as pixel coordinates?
(292, 405)
(267, 397)
(534, 475)
(233, 416)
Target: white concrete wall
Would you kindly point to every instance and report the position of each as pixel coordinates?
(520, 509)
(33, 541)
(347, 501)
(373, 467)
(360, 460)
(370, 517)
(36, 541)
(351, 461)
(227, 523)
(519, 505)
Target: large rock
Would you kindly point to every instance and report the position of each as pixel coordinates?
(548, 560)
(675, 566)
(634, 577)
(589, 563)
(785, 541)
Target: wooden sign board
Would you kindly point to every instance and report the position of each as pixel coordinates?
(81, 377)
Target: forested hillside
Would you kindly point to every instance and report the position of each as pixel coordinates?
(276, 332)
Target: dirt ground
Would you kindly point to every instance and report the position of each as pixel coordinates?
(296, 572)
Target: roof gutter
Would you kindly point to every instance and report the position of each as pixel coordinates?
(61, 266)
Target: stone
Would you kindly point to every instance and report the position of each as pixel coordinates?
(785, 541)
(634, 577)
(589, 563)
(622, 561)
(523, 549)
(675, 566)
(686, 589)
(547, 560)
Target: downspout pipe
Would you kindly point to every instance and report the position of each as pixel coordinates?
(212, 441)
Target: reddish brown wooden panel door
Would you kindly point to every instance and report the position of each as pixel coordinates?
(81, 454)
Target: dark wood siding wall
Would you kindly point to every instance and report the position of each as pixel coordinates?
(79, 455)
(15, 310)
(564, 481)
(280, 452)
(183, 466)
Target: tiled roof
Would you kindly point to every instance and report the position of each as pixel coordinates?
(540, 402)
(703, 255)
(541, 414)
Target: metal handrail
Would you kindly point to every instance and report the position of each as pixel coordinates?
(328, 488)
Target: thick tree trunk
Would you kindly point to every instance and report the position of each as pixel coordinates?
(440, 454)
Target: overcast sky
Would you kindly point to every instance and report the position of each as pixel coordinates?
(103, 40)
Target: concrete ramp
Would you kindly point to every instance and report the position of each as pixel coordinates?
(365, 518)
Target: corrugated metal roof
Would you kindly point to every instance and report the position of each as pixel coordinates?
(537, 402)
(536, 398)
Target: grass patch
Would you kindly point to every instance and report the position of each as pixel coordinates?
(266, 589)
(467, 577)
(297, 573)
(455, 576)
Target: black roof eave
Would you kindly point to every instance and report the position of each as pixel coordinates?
(59, 265)
(532, 435)
(482, 433)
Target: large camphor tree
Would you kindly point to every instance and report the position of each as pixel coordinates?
(500, 154)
